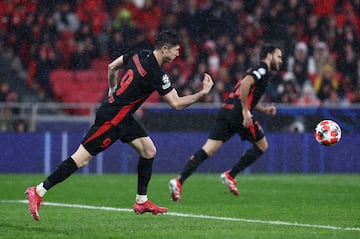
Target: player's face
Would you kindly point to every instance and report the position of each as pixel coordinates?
(170, 53)
(276, 60)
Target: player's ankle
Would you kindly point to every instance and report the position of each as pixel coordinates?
(40, 190)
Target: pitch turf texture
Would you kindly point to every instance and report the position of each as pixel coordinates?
(269, 206)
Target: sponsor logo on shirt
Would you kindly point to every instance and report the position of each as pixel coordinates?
(166, 82)
(259, 73)
(262, 71)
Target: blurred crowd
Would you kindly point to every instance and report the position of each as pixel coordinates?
(319, 38)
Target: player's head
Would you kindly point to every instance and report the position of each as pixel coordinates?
(168, 43)
(272, 56)
(168, 38)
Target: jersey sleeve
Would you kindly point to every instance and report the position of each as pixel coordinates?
(258, 73)
(126, 58)
(163, 83)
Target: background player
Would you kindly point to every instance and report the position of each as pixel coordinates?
(142, 76)
(235, 117)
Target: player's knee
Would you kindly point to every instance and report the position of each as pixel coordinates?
(81, 157)
(149, 152)
(81, 162)
(264, 148)
(212, 146)
(210, 152)
(262, 145)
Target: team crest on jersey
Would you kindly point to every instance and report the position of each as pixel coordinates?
(166, 82)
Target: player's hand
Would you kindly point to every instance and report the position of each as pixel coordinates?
(271, 109)
(208, 83)
(247, 121)
(110, 96)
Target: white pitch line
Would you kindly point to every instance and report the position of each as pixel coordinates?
(281, 223)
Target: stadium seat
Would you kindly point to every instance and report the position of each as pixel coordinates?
(86, 76)
(79, 96)
(100, 63)
(61, 82)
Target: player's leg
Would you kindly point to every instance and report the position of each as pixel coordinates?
(219, 134)
(77, 160)
(175, 184)
(248, 157)
(63, 171)
(135, 135)
(208, 149)
(146, 149)
(93, 143)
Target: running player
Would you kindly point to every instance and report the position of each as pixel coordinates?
(235, 117)
(142, 76)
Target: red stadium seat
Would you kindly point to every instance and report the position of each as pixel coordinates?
(61, 82)
(100, 63)
(86, 76)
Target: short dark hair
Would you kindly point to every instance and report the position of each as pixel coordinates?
(167, 37)
(266, 49)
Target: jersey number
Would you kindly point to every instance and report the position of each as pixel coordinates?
(125, 81)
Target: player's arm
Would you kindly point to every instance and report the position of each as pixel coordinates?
(113, 71)
(245, 87)
(269, 109)
(179, 103)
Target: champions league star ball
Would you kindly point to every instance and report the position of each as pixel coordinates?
(327, 132)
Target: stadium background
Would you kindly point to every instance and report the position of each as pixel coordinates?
(53, 67)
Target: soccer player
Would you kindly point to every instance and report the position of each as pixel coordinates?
(235, 117)
(142, 75)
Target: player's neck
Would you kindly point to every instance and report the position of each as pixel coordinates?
(267, 62)
(158, 57)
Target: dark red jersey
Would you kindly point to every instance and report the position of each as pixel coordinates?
(142, 75)
(261, 75)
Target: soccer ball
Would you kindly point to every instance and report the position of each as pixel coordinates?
(327, 132)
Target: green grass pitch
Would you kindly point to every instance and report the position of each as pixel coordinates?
(269, 206)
